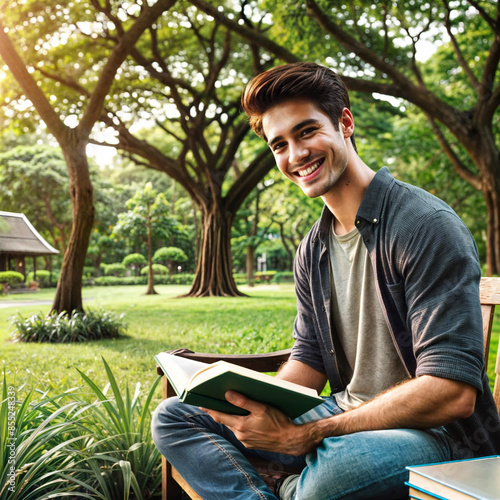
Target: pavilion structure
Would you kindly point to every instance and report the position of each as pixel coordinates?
(19, 240)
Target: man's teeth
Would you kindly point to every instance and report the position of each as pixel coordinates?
(310, 170)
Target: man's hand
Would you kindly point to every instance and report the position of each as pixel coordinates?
(266, 428)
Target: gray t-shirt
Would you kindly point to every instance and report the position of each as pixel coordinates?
(371, 364)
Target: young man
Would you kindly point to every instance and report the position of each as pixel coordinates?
(387, 311)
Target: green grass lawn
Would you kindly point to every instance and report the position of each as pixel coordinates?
(261, 322)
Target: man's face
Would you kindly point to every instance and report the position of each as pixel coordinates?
(306, 146)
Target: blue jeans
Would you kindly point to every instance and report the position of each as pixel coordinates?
(368, 464)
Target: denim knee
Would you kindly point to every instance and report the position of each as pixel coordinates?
(166, 415)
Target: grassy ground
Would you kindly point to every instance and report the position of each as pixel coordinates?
(260, 323)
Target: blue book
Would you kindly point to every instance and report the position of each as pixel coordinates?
(475, 479)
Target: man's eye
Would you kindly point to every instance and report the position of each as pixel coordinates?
(308, 131)
(278, 145)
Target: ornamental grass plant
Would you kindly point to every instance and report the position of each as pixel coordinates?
(59, 328)
(79, 444)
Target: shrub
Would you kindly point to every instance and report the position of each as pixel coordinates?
(283, 277)
(43, 278)
(157, 269)
(59, 328)
(116, 269)
(174, 279)
(89, 271)
(11, 277)
(167, 254)
(116, 281)
(134, 261)
(261, 276)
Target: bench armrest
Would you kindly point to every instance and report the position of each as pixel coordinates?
(266, 362)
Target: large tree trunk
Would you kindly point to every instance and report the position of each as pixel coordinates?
(250, 263)
(214, 275)
(69, 287)
(151, 275)
(487, 159)
(493, 232)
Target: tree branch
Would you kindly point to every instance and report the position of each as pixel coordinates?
(246, 32)
(356, 47)
(115, 60)
(29, 86)
(492, 22)
(461, 59)
(252, 175)
(461, 169)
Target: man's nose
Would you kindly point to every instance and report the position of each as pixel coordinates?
(298, 153)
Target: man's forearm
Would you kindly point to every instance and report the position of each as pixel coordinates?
(421, 403)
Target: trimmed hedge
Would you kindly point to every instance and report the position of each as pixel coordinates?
(42, 278)
(11, 277)
(176, 279)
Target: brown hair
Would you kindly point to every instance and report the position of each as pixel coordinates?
(291, 81)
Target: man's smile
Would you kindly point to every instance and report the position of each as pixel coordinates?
(310, 169)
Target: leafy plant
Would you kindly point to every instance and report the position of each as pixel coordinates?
(69, 446)
(123, 425)
(11, 277)
(157, 269)
(79, 327)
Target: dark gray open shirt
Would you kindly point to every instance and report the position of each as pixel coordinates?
(427, 271)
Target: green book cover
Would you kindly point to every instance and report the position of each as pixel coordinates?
(205, 385)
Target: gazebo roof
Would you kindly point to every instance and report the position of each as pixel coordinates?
(19, 237)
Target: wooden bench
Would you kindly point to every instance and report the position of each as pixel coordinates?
(173, 485)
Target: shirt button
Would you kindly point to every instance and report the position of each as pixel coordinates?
(375, 221)
(332, 353)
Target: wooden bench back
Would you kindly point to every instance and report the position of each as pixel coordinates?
(490, 297)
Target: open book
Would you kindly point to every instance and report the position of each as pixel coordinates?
(205, 385)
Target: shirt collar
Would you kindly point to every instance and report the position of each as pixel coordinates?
(373, 199)
(371, 204)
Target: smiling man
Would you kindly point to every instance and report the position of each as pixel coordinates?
(388, 312)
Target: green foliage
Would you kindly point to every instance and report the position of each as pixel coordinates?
(160, 279)
(134, 261)
(115, 269)
(11, 277)
(158, 270)
(147, 209)
(94, 446)
(61, 328)
(134, 258)
(166, 254)
(42, 278)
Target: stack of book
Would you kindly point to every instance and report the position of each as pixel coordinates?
(475, 479)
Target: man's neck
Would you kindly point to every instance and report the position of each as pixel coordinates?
(344, 200)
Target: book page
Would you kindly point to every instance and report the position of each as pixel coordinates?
(179, 370)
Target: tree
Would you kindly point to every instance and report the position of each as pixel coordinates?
(193, 71)
(72, 140)
(146, 221)
(375, 47)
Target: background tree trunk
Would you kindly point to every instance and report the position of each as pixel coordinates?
(214, 275)
(69, 287)
(151, 276)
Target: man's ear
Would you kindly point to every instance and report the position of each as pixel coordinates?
(346, 123)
